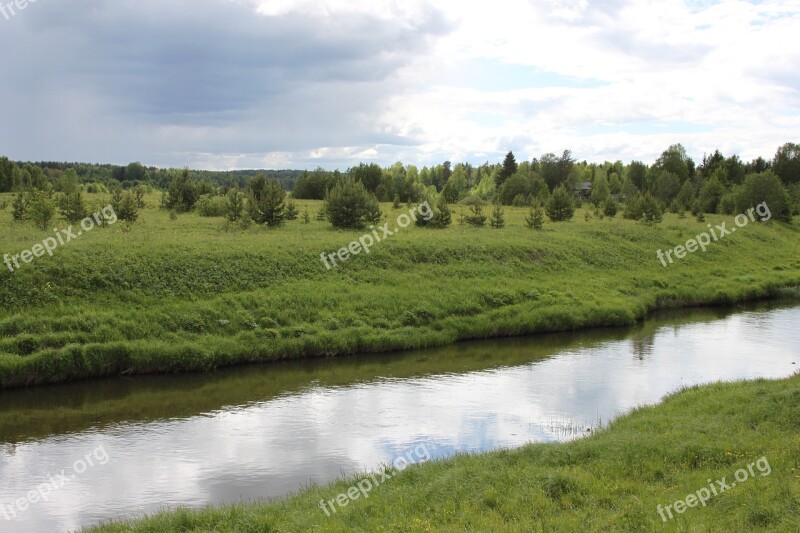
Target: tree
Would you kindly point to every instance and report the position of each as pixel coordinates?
(476, 218)
(6, 175)
(311, 186)
(442, 216)
(456, 185)
(350, 205)
(561, 206)
(610, 208)
(710, 194)
(20, 206)
(786, 164)
(125, 205)
(369, 175)
(666, 186)
(518, 184)
(508, 169)
(601, 191)
(765, 188)
(685, 197)
(182, 194)
(266, 201)
(234, 208)
(535, 218)
(498, 219)
(291, 211)
(71, 202)
(42, 209)
(675, 160)
(650, 210)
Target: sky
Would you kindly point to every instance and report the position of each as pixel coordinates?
(231, 84)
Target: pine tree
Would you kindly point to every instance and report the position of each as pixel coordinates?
(477, 218)
(561, 206)
(498, 219)
(443, 217)
(291, 211)
(235, 205)
(535, 219)
(20, 206)
(509, 169)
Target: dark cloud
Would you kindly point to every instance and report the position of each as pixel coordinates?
(101, 81)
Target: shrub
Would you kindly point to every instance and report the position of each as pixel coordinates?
(561, 206)
(349, 205)
(442, 216)
(644, 208)
(19, 207)
(291, 211)
(42, 209)
(535, 219)
(498, 219)
(610, 208)
(266, 201)
(125, 205)
(652, 212)
(477, 218)
(521, 200)
(765, 187)
(211, 206)
(234, 205)
(182, 193)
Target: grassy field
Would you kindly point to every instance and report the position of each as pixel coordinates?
(192, 294)
(613, 480)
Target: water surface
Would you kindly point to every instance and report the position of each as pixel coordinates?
(262, 432)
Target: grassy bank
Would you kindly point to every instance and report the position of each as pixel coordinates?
(611, 481)
(190, 294)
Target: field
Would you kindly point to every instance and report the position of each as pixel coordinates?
(193, 294)
(613, 480)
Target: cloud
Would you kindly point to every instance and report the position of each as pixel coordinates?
(301, 83)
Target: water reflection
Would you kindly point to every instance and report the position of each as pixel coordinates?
(264, 432)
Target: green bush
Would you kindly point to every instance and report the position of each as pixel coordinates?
(266, 201)
(765, 187)
(182, 193)
(561, 206)
(349, 205)
(42, 209)
(476, 218)
(125, 205)
(212, 206)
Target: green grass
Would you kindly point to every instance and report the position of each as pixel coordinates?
(193, 295)
(611, 481)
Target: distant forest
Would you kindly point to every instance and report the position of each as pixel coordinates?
(674, 179)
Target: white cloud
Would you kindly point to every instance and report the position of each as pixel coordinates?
(301, 83)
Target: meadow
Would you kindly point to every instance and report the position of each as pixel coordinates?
(613, 480)
(166, 295)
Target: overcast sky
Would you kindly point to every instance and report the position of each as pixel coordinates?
(223, 84)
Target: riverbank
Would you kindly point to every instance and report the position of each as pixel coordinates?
(181, 295)
(744, 436)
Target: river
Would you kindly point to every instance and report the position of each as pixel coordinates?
(124, 447)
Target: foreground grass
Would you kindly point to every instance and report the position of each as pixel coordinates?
(611, 481)
(192, 294)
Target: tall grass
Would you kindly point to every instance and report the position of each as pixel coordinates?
(195, 293)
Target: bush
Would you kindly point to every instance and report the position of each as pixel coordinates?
(477, 218)
(211, 206)
(535, 219)
(349, 205)
(498, 219)
(125, 205)
(234, 205)
(266, 201)
(561, 206)
(610, 208)
(19, 207)
(521, 200)
(765, 187)
(291, 211)
(644, 208)
(727, 204)
(182, 194)
(442, 216)
(42, 209)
